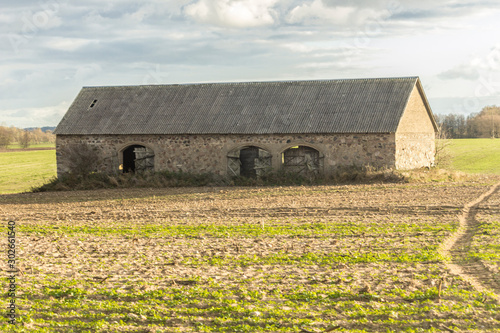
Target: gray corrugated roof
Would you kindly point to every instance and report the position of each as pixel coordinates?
(327, 106)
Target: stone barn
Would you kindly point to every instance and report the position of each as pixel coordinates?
(248, 129)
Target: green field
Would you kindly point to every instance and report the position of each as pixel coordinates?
(20, 170)
(473, 155)
(31, 146)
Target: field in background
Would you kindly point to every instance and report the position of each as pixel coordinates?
(473, 155)
(32, 146)
(357, 258)
(21, 170)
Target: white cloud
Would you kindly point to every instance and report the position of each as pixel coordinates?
(35, 116)
(315, 49)
(298, 47)
(92, 17)
(67, 44)
(87, 71)
(233, 13)
(319, 65)
(32, 22)
(45, 20)
(141, 14)
(463, 71)
(178, 35)
(6, 19)
(318, 11)
(476, 68)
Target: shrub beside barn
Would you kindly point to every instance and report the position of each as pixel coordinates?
(251, 128)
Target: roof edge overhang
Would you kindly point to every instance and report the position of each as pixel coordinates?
(254, 134)
(250, 82)
(72, 104)
(427, 105)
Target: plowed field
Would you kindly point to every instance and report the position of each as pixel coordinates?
(366, 258)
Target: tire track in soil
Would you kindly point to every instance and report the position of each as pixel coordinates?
(457, 246)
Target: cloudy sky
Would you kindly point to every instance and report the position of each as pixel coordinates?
(52, 48)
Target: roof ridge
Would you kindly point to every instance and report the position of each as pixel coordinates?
(254, 82)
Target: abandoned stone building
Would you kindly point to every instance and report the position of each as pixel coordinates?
(251, 128)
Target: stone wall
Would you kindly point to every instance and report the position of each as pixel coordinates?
(415, 138)
(415, 150)
(208, 153)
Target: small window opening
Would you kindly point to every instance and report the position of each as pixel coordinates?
(93, 104)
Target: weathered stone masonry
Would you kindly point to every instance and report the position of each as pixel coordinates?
(415, 150)
(208, 153)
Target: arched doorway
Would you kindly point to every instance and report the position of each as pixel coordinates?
(250, 162)
(302, 160)
(137, 158)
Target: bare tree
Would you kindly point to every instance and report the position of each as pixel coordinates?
(25, 139)
(9, 135)
(5, 137)
(48, 136)
(486, 124)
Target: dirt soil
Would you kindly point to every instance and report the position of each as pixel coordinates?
(340, 258)
(482, 275)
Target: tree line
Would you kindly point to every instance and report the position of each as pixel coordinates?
(25, 138)
(485, 124)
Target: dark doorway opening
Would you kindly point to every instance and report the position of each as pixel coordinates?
(137, 158)
(250, 162)
(247, 159)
